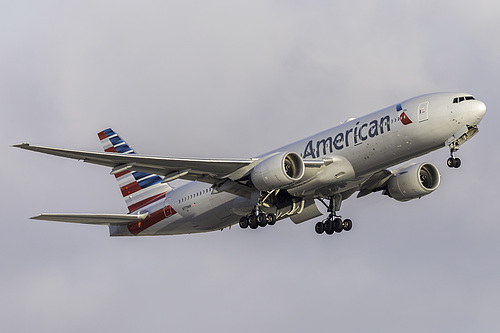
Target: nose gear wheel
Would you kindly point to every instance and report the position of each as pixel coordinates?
(454, 162)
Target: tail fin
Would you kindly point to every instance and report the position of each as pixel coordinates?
(138, 188)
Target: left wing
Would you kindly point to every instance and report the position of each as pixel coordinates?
(170, 167)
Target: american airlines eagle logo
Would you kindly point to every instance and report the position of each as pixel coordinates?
(404, 118)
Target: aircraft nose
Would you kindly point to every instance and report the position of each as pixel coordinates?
(478, 110)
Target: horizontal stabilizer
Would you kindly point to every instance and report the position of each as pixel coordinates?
(97, 219)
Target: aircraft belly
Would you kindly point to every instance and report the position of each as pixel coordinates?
(206, 214)
(201, 223)
(166, 226)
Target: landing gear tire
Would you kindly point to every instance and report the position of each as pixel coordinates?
(329, 229)
(243, 222)
(347, 225)
(271, 219)
(454, 162)
(257, 220)
(319, 227)
(252, 222)
(261, 220)
(330, 226)
(337, 225)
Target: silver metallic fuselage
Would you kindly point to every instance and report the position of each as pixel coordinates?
(357, 148)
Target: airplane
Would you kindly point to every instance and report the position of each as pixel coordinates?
(287, 182)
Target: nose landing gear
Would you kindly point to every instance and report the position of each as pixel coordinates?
(454, 142)
(453, 162)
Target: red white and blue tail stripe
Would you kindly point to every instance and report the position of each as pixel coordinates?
(139, 189)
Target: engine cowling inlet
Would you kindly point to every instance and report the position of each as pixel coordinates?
(278, 171)
(414, 182)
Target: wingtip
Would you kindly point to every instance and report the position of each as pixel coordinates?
(21, 145)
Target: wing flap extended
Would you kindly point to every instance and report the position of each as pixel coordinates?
(97, 219)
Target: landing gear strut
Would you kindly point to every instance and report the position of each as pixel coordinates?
(333, 223)
(453, 162)
(258, 218)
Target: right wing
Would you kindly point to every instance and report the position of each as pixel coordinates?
(378, 180)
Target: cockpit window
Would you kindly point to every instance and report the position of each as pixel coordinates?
(463, 98)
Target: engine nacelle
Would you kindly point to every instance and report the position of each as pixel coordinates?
(278, 171)
(414, 182)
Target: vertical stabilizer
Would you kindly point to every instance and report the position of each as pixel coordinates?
(139, 189)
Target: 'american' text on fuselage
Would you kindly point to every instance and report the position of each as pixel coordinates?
(355, 135)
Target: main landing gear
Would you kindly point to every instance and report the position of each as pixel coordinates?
(333, 223)
(256, 220)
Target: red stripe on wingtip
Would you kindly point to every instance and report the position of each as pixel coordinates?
(110, 150)
(102, 135)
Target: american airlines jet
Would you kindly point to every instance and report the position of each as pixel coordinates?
(326, 168)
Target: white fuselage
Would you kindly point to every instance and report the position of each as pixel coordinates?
(370, 143)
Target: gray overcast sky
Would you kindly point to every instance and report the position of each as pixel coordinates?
(235, 79)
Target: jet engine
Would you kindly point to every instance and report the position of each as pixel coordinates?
(413, 182)
(277, 171)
